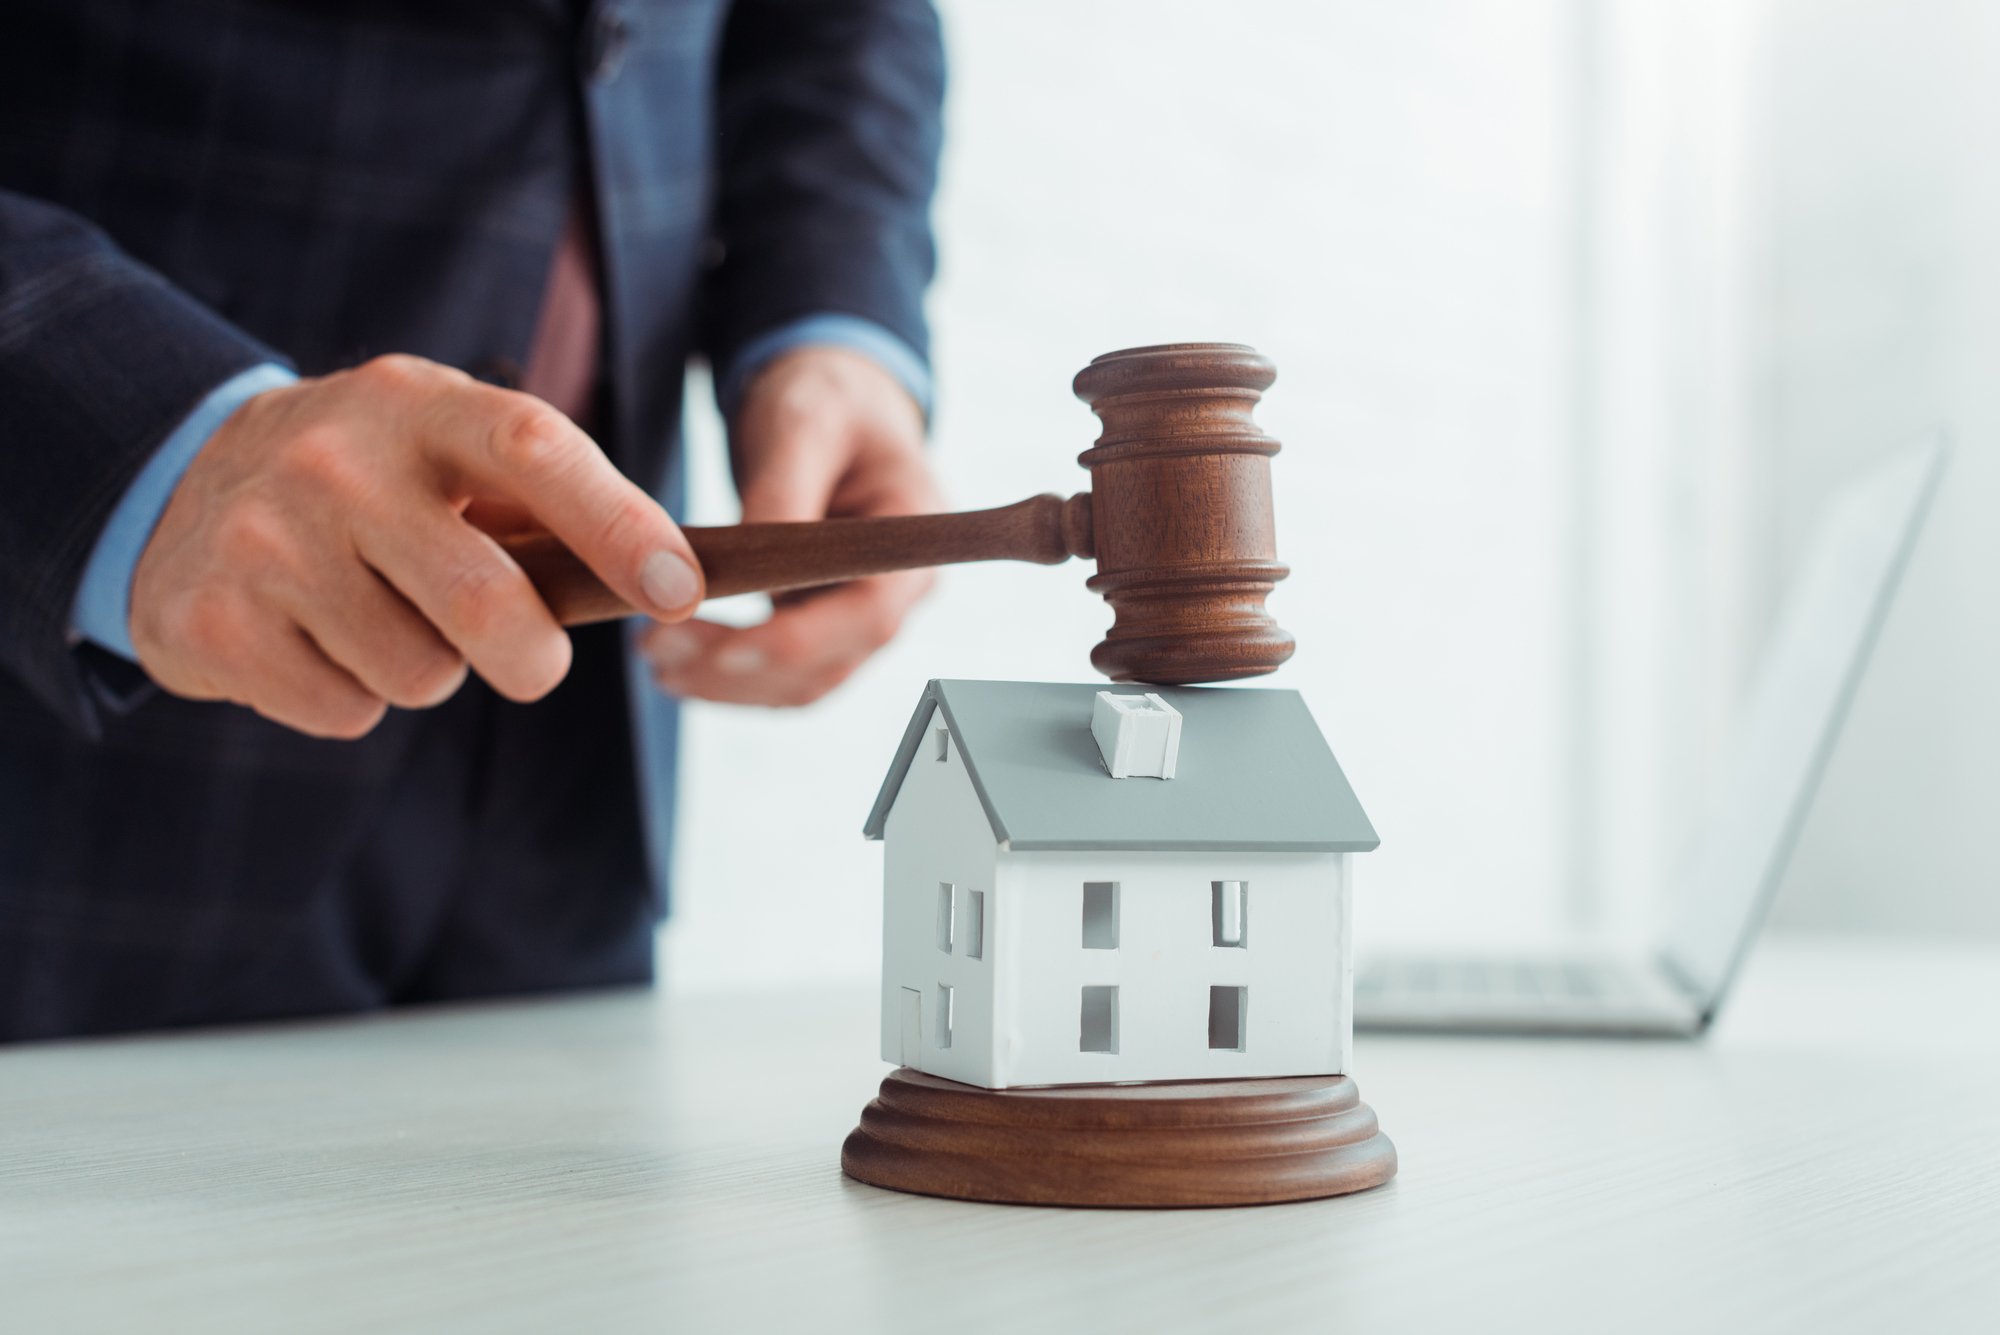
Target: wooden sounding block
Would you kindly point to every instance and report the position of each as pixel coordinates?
(1178, 520)
(1199, 1143)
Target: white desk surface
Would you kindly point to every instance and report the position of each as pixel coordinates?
(1829, 1160)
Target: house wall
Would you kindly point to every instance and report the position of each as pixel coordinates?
(937, 832)
(1297, 965)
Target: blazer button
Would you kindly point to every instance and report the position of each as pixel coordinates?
(502, 371)
(604, 44)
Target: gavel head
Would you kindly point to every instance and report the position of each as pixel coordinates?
(1180, 513)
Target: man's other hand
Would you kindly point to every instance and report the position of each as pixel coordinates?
(822, 432)
(316, 562)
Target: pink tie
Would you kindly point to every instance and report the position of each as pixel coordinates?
(562, 360)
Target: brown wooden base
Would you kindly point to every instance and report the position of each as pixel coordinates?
(1206, 1142)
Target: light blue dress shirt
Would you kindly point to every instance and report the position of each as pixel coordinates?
(866, 337)
(102, 612)
(104, 600)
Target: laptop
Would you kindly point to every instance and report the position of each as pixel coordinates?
(1830, 619)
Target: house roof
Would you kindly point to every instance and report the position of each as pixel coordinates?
(1254, 772)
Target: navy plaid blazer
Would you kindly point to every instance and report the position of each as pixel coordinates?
(189, 188)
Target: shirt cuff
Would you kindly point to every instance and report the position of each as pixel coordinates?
(103, 609)
(853, 332)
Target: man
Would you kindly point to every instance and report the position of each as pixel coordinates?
(303, 301)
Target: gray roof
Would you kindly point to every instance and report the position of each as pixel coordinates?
(1254, 771)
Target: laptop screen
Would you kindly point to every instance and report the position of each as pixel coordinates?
(1829, 620)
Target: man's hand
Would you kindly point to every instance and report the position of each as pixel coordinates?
(317, 563)
(822, 432)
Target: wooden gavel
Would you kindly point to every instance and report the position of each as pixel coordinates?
(1178, 519)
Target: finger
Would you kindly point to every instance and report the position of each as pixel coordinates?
(805, 649)
(496, 440)
(889, 483)
(297, 685)
(669, 647)
(795, 476)
(479, 600)
(805, 633)
(771, 689)
(373, 632)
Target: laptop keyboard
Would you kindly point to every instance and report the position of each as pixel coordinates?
(1541, 980)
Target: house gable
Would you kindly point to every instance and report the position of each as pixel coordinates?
(932, 710)
(940, 917)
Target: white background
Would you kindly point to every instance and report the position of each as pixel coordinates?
(1878, 267)
(1578, 310)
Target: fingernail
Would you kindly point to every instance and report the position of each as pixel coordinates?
(739, 660)
(670, 649)
(669, 582)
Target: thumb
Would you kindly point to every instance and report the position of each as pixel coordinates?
(792, 478)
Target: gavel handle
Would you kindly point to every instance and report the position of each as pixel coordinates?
(767, 558)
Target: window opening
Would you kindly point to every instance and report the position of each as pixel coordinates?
(1098, 1031)
(1227, 1008)
(1100, 915)
(975, 924)
(1228, 911)
(945, 914)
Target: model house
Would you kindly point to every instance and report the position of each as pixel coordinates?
(1085, 885)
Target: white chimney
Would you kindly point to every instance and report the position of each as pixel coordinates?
(1137, 734)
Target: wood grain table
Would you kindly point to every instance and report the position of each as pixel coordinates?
(1829, 1160)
